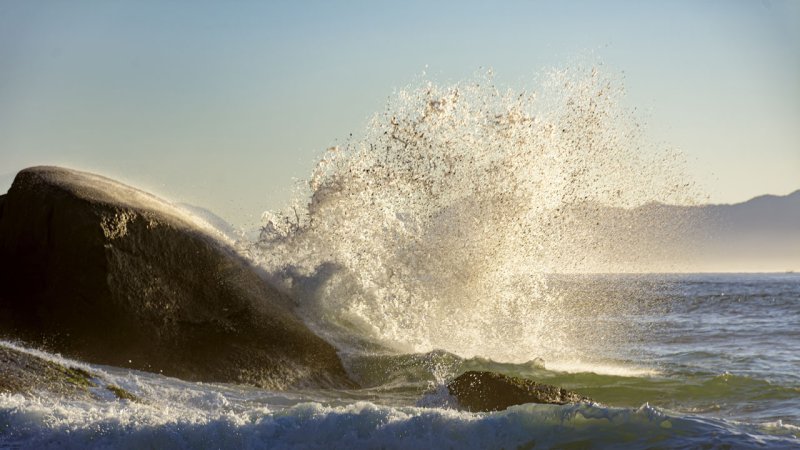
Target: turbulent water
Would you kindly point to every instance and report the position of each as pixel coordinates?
(434, 228)
(714, 365)
(452, 235)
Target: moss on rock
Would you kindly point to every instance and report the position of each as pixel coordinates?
(25, 373)
(121, 393)
(78, 377)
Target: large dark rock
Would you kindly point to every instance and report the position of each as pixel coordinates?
(489, 391)
(104, 272)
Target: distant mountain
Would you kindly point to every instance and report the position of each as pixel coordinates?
(764, 214)
(761, 234)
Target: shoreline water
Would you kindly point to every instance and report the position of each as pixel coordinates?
(179, 414)
(705, 393)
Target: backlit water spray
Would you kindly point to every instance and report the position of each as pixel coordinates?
(442, 225)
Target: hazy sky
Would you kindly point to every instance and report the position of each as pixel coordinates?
(221, 104)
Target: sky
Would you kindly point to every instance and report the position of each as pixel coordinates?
(225, 104)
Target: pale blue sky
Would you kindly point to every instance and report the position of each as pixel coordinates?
(221, 104)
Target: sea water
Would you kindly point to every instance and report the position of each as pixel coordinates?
(714, 365)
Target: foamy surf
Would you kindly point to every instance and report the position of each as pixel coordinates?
(45, 423)
(600, 368)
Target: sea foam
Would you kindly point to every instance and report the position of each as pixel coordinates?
(38, 423)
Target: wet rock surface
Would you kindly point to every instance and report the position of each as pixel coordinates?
(24, 373)
(489, 391)
(109, 274)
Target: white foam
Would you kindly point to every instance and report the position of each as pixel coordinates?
(54, 357)
(177, 414)
(45, 423)
(600, 368)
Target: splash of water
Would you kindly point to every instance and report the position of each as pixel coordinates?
(437, 227)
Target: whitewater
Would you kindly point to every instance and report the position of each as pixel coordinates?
(717, 370)
(471, 227)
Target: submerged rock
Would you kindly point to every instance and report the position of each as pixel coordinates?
(106, 273)
(489, 391)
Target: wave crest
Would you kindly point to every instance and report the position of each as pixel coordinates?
(434, 229)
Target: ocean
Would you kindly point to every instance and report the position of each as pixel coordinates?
(714, 364)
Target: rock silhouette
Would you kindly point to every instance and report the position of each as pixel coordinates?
(489, 391)
(110, 274)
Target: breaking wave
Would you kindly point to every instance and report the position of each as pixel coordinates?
(36, 424)
(437, 227)
(171, 413)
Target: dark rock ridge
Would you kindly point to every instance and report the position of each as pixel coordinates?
(22, 372)
(103, 272)
(489, 391)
